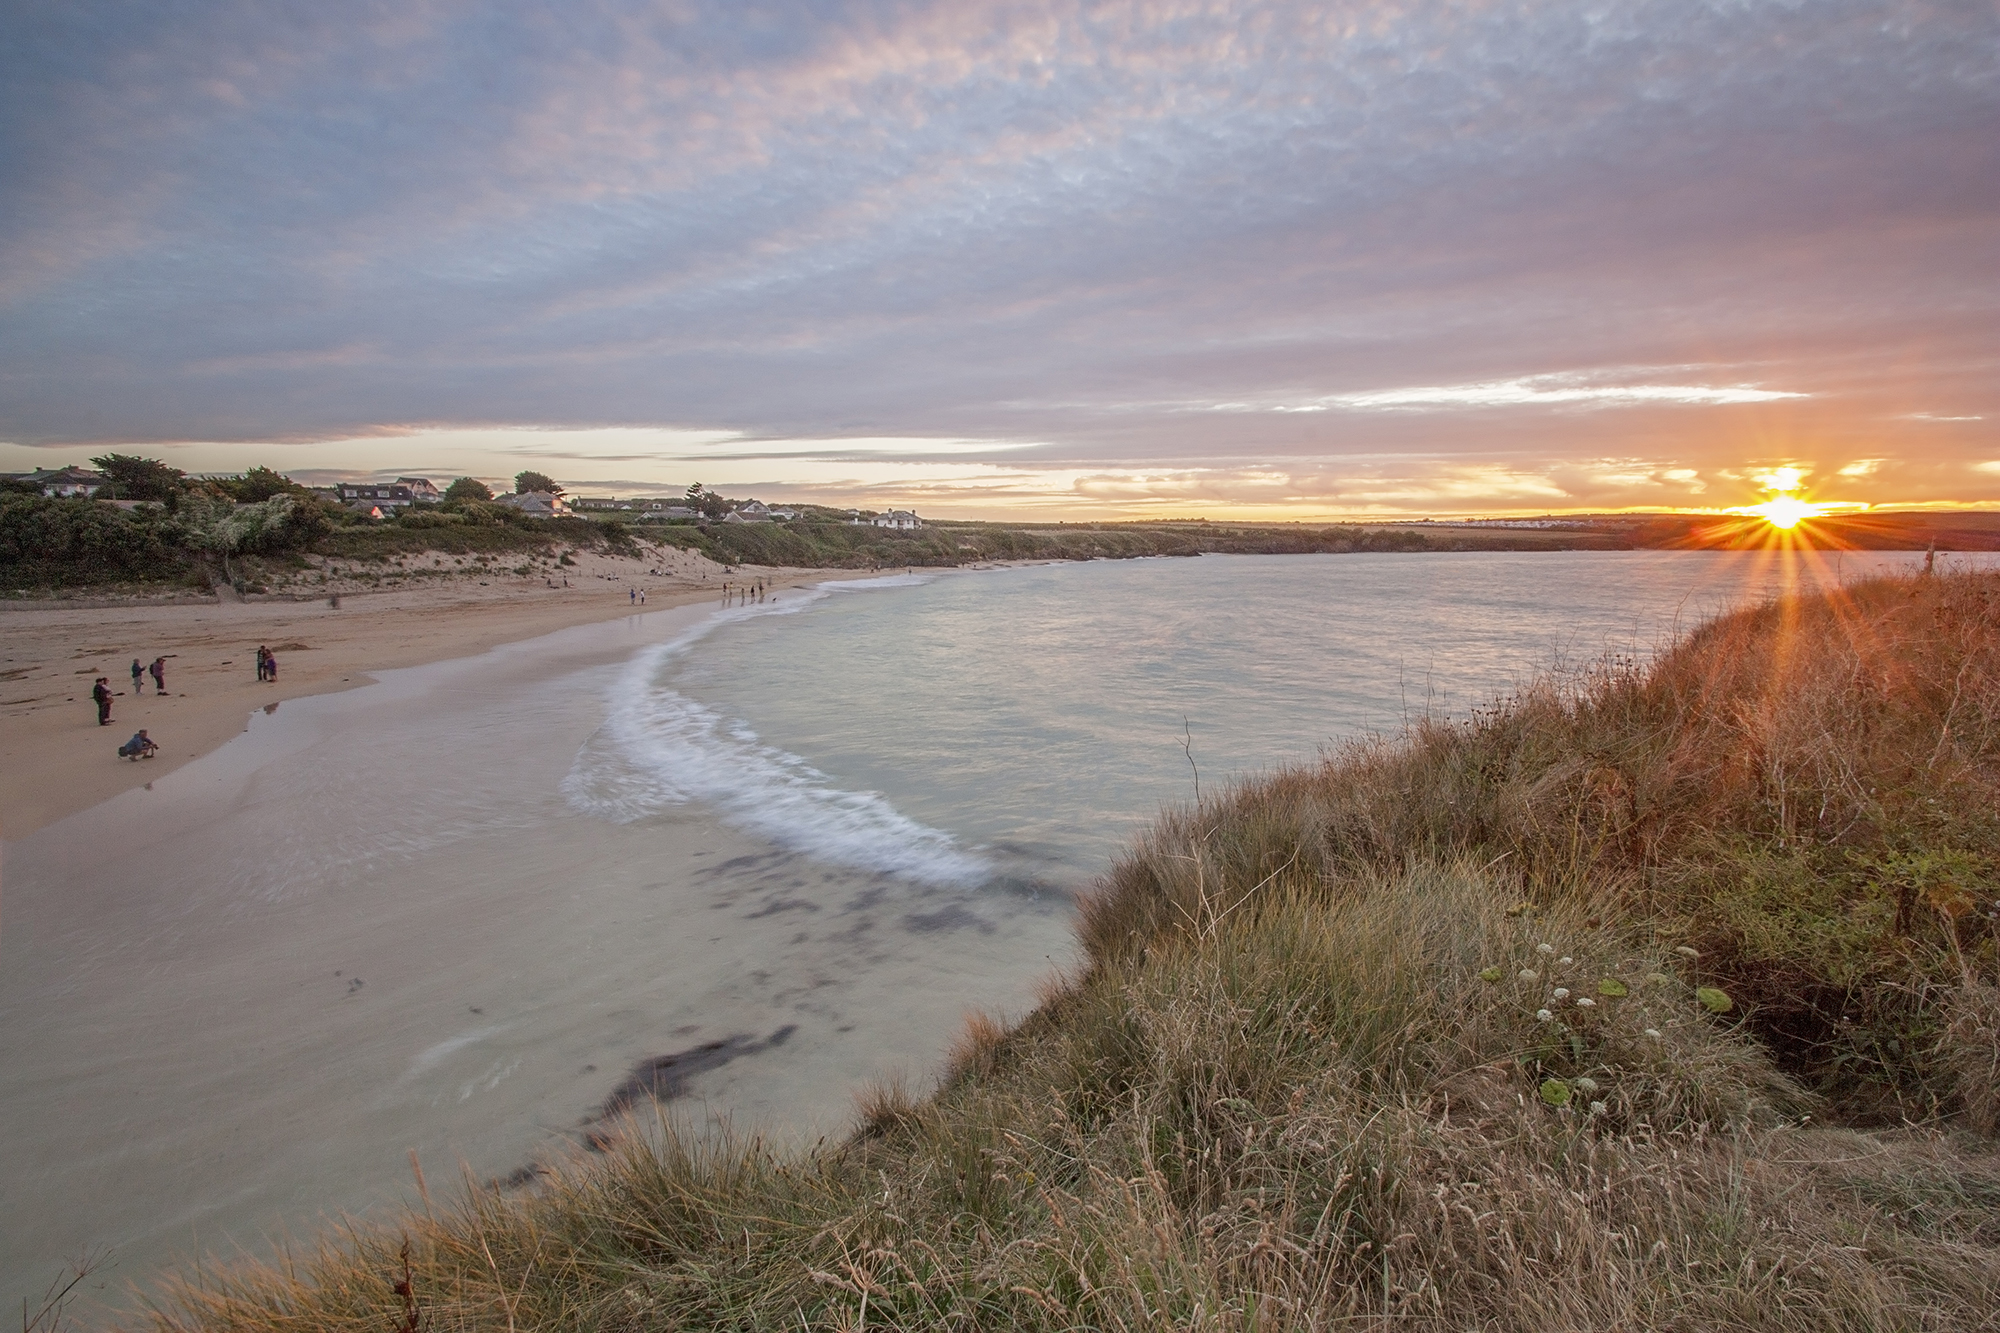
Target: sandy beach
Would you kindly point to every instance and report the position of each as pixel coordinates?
(241, 983)
(55, 760)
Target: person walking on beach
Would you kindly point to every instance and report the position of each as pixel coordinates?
(632, 596)
(138, 677)
(159, 670)
(100, 694)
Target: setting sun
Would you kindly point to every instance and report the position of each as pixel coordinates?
(1785, 511)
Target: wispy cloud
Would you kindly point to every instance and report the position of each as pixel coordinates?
(1115, 237)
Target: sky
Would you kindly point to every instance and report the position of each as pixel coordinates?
(1062, 260)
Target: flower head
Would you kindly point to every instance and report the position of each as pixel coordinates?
(1529, 974)
(1585, 1002)
(1652, 1032)
(1545, 948)
(1543, 1015)
(1562, 992)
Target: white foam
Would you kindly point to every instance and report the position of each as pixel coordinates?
(658, 748)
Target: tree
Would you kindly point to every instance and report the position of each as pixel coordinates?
(259, 484)
(133, 478)
(535, 481)
(211, 525)
(469, 488)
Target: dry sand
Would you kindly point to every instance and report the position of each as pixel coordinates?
(55, 760)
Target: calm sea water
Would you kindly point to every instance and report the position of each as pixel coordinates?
(1025, 723)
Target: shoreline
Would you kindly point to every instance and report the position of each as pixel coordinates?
(56, 762)
(375, 924)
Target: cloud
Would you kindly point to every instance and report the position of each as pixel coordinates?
(1125, 237)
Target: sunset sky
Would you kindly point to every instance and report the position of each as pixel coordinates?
(1062, 260)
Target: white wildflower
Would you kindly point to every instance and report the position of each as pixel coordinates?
(1562, 992)
(1543, 1015)
(1652, 1032)
(1545, 948)
(1597, 1108)
(1585, 1002)
(1584, 1084)
(1529, 974)
(1564, 961)
(1686, 952)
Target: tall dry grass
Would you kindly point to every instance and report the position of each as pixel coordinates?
(1523, 1024)
(1807, 792)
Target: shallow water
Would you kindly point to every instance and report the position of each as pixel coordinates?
(1027, 722)
(464, 909)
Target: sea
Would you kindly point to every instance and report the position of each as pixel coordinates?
(740, 860)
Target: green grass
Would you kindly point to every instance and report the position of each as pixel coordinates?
(1329, 1063)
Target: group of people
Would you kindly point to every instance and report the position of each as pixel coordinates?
(101, 695)
(142, 746)
(159, 672)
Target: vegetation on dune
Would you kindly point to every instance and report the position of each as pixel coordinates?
(1651, 998)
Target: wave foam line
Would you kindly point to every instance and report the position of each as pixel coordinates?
(659, 748)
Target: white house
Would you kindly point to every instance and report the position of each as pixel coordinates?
(421, 490)
(898, 518)
(65, 481)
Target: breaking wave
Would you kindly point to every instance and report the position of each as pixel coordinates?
(658, 748)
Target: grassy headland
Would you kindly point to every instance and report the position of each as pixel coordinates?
(1653, 997)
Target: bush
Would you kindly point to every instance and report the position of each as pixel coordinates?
(56, 543)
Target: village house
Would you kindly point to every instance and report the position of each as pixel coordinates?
(64, 482)
(536, 504)
(898, 518)
(365, 495)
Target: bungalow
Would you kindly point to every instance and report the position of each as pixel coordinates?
(65, 482)
(536, 504)
(898, 518)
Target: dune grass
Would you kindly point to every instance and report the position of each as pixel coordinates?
(1653, 997)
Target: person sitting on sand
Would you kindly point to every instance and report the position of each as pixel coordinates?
(141, 746)
(100, 694)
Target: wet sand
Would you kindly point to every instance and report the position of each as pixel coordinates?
(234, 999)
